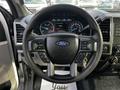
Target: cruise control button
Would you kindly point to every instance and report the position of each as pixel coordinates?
(44, 57)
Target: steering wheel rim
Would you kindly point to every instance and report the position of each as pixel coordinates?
(36, 19)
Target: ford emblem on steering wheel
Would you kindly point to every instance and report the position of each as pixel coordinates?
(62, 43)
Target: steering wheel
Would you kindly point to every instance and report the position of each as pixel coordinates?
(63, 48)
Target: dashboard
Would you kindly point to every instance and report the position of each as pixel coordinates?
(109, 23)
(67, 22)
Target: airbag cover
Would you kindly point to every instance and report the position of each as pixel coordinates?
(62, 49)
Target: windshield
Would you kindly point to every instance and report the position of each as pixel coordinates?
(34, 1)
(101, 4)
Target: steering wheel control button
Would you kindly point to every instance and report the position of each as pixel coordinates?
(44, 57)
(88, 46)
(38, 45)
(85, 45)
(62, 48)
(79, 58)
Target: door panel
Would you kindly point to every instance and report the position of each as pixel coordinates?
(8, 69)
(2, 33)
(5, 62)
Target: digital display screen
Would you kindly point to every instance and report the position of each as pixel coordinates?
(61, 24)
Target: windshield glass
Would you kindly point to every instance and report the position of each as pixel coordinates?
(34, 1)
(63, 1)
(101, 4)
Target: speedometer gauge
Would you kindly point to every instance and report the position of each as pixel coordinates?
(46, 27)
(75, 27)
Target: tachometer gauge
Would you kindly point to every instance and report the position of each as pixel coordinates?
(75, 27)
(46, 27)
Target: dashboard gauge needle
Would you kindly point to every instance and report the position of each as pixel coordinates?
(45, 28)
(86, 27)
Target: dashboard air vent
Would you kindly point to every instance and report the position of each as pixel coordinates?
(19, 34)
(105, 29)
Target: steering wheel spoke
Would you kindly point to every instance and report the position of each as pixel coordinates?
(51, 69)
(88, 43)
(73, 69)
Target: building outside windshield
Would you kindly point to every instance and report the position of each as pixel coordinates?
(101, 4)
(36, 5)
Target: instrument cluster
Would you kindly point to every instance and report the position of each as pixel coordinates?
(63, 25)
